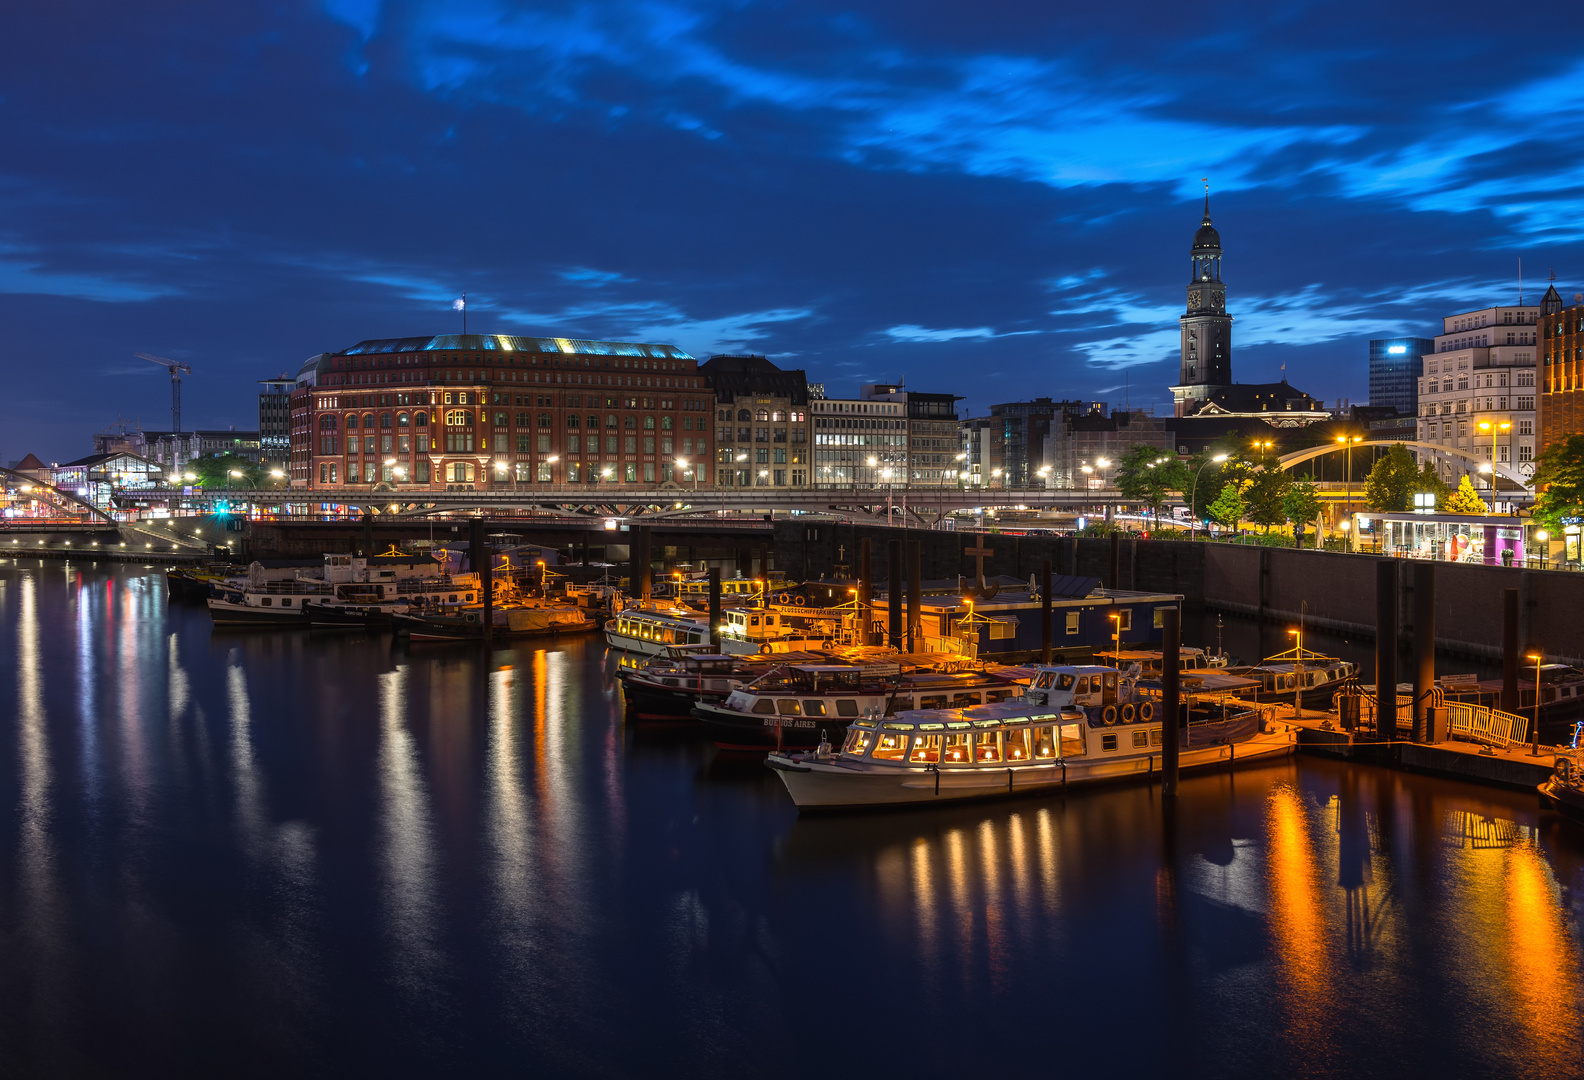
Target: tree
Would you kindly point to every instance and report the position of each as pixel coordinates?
(214, 471)
(1465, 500)
(1300, 505)
(1229, 506)
(1265, 496)
(1430, 482)
(1148, 474)
(1208, 476)
(1559, 484)
(1391, 481)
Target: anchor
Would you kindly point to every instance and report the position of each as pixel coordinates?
(981, 590)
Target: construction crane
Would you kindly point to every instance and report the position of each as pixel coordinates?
(176, 369)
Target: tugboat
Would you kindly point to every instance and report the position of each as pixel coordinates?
(1564, 791)
(1077, 725)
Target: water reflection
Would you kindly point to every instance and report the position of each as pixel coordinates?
(408, 862)
(1298, 921)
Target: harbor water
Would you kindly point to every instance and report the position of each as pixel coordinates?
(281, 852)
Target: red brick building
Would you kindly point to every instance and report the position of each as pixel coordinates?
(475, 411)
(1560, 410)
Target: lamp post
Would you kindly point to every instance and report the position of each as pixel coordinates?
(1540, 538)
(1534, 730)
(1493, 428)
(962, 471)
(1193, 495)
(551, 460)
(1346, 535)
(1347, 441)
(682, 464)
(1262, 447)
(240, 475)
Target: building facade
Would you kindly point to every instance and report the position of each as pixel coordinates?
(1084, 445)
(1477, 393)
(1560, 411)
(761, 422)
(274, 414)
(1395, 365)
(859, 442)
(931, 433)
(470, 411)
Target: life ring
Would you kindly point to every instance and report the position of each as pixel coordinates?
(1146, 711)
(1127, 712)
(784, 598)
(764, 650)
(799, 601)
(1108, 715)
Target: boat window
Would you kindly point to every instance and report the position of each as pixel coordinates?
(1065, 682)
(1083, 686)
(1155, 736)
(1019, 744)
(892, 746)
(926, 749)
(764, 707)
(267, 602)
(814, 707)
(754, 621)
(1140, 740)
(857, 742)
(1110, 688)
(1108, 742)
(1044, 743)
(932, 701)
(964, 700)
(789, 707)
(992, 696)
(987, 746)
(954, 749)
(846, 707)
(1072, 740)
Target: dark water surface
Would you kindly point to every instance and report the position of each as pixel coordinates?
(251, 853)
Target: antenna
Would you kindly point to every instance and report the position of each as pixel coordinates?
(461, 305)
(1520, 281)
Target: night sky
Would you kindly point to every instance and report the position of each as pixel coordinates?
(989, 198)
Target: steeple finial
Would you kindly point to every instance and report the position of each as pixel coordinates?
(1206, 180)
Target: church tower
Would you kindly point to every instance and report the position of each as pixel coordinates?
(1206, 328)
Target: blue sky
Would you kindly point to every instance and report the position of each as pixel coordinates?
(994, 199)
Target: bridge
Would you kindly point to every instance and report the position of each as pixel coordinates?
(922, 505)
(1433, 450)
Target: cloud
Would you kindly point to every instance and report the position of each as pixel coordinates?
(920, 334)
(30, 279)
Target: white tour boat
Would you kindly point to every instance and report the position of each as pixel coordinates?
(1076, 725)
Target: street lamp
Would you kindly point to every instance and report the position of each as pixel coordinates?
(1493, 428)
(1344, 526)
(1262, 447)
(1540, 538)
(962, 471)
(1534, 732)
(551, 460)
(1193, 495)
(682, 463)
(1348, 441)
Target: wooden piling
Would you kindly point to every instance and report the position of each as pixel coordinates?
(1424, 575)
(894, 594)
(1047, 630)
(1386, 649)
(1171, 696)
(915, 596)
(865, 591)
(1509, 694)
(714, 606)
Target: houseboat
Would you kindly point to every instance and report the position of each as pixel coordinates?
(1078, 725)
(1298, 674)
(795, 705)
(265, 598)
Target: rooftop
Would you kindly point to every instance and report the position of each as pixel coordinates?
(513, 343)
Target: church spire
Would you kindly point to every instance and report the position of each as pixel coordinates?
(1206, 220)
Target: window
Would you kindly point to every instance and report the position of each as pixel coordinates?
(1108, 742)
(1044, 743)
(890, 746)
(544, 420)
(1019, 744)
(1140, 740)
(954, 748)
(857, 741)
(544, 472)
(926, 749)
(1072, 622)
(987, 746)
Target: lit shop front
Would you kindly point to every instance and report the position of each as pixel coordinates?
(1492, 539)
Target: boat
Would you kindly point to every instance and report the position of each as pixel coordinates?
(388, 582)
(1564, 791)
(466, 621)
(651, 631)
(801, 705)
(1298, 673)
(1189, 658)
(1085, 725)
(667, 688)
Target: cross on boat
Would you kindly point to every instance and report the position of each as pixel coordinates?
(980, 552)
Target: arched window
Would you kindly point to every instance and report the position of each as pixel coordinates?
(368, 419)
(572, 420)
(665, 423)
(744, 415)
(544, 419)
(610, 420)
(648, 423)
(630, 423)
(327, 423)
(351, 421)
(779, 416)
(764, 414)
(385, 420)
(421, 419)
(459, 418)
(401, 420)
(593, 422)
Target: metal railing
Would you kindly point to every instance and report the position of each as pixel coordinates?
(1477, 723)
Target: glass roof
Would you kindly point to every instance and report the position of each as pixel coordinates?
(514, 343)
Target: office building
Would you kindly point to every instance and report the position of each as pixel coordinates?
(469, 411)
(274, 415)
(761, 422)
(1477, 393)
(1084, 446)
(1395, 365)
(1560, 411)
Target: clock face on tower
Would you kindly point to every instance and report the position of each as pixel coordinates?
(1193, 299)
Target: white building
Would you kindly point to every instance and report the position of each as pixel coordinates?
(850, 433)
(1477, 393)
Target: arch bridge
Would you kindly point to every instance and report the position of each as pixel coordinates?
(1434, 450)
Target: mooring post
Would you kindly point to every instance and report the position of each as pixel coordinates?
(1386, 649)
(368, 533)
(715, 607)
(894, 594)
(1509, 694)
(865, 591)
(1047, 631)
(1171, 684)
(1114, 582)
(1424, 649)
(915, 591)
(479, 556)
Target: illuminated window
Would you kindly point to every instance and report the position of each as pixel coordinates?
(890, 746)
(926, 749)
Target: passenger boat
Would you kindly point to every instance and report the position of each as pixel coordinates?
(801, 705)
(652, 631)
(1085, 725)
(668, 688)
(1298, 672)
(388, 581)
(465, 621)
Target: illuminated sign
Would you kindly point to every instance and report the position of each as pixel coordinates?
(1397, 350)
